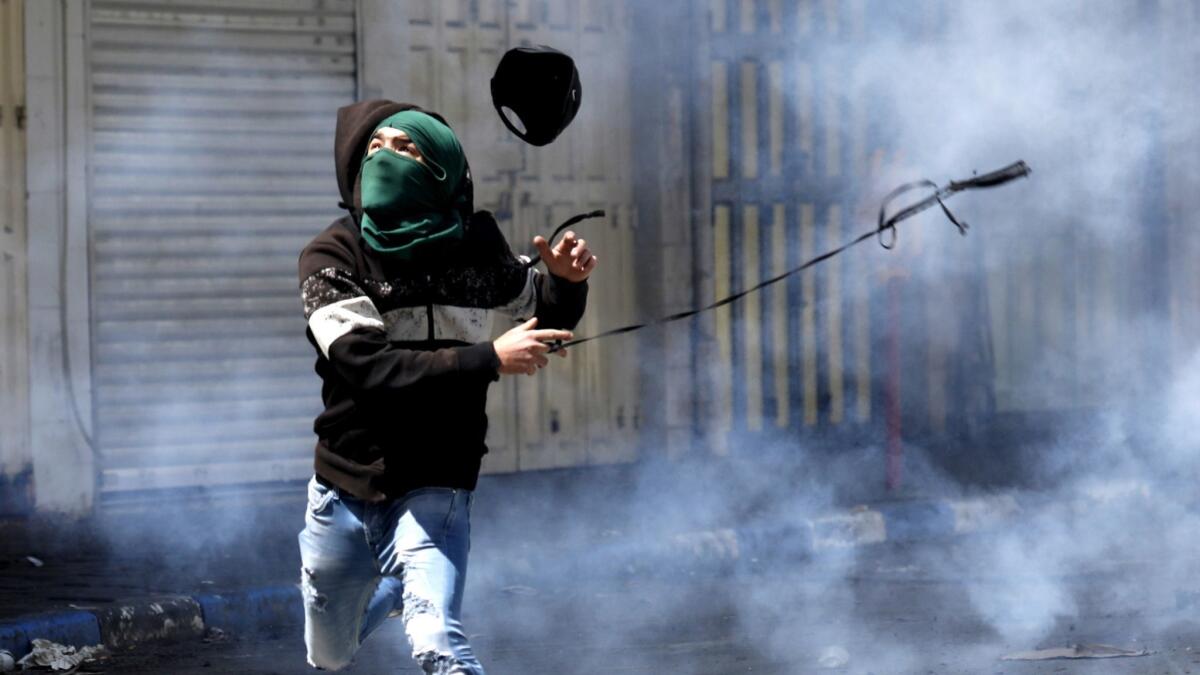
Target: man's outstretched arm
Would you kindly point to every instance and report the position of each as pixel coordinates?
(348, 330)
(345, 325)
(556, 299)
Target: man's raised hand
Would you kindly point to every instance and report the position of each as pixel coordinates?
(523, 349)
(570, 258)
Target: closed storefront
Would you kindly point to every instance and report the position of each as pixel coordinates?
(209, 169)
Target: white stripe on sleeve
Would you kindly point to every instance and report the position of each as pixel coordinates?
(336, 319)
(464, 324)
(407, 324)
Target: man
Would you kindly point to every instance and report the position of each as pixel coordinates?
(397, 296)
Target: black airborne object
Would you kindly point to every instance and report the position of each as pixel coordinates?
(540, 87)
(887, 224)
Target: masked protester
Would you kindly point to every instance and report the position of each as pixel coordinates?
(398, 296)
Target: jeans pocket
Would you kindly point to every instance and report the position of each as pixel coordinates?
(450, 514)
(320, 498)
(433, 509)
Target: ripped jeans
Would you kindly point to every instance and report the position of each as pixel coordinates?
(362, 562)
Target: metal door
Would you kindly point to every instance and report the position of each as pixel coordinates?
(584, 410)
(783, 167)
(211, 124)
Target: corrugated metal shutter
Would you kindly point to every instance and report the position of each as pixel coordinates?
(212, 124)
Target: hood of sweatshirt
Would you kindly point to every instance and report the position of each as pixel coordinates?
(355, 124)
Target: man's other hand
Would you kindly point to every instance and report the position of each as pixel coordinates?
(523, 349)
(570, 259)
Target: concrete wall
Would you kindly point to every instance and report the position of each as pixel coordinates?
(664, 132)
(15, 460)
(63, 462)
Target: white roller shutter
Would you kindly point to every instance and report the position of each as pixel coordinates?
(211, 167)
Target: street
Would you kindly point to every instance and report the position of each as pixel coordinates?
(881, 611)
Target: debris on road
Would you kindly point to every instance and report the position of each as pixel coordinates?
(35, 561)
(6, 661)
(1075, 652)
(47, 654)
(833, 657)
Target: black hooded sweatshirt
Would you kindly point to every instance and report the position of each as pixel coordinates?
(403, 348)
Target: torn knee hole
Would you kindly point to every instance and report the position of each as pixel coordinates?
(312, 599)
(434, 662)
(415, 605)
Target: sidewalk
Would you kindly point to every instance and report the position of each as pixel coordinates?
(119, 593)
(107, 581)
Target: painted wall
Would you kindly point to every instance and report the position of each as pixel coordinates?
(60, 413)
(15, 459)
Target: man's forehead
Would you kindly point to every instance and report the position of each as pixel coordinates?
(390, 132)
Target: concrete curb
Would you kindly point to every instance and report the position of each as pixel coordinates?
(70, 628)
(262, 609)
(153, 619)
(157, 619)
(897, 522)
(252, 610)
(900, 522)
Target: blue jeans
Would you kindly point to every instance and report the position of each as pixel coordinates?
(362, 562)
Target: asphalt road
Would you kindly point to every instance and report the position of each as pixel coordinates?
(882, 611)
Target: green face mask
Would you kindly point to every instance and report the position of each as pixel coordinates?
(409, 206)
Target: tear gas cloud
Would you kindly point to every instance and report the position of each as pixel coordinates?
(1096, 98)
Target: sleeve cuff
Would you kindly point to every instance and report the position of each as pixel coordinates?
(479, 358)
(564, 289)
